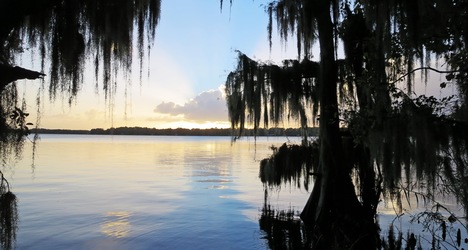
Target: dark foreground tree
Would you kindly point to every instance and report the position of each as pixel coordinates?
(391, 140)
(63, 35)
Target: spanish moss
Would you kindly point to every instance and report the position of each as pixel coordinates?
(391, 141)
(8, 215)
(67, 36)
(290, 164)
(258, 93)
(67, 33)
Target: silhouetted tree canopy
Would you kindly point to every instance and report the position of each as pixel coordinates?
(391, 140)
(65, 36)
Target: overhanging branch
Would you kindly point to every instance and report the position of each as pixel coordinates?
(10, 74)
(425, 68)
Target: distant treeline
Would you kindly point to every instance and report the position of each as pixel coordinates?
(179, 131)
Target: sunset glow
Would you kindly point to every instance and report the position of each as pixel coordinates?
(182, 83)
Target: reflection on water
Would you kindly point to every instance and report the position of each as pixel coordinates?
(116, 224)
(284, 229)
(143, 192)
(152, 192)
(420, 225)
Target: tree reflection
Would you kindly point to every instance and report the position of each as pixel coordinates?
(436, 228)
(8, 215)
(284, 229)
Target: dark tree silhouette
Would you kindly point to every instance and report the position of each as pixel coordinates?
(63, 35)
(392, 140)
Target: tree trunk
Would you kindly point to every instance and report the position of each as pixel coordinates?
(333, 208)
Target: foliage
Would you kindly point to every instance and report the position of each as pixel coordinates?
(410, 132)
(420, 140)
(395, 141)
(8, 215)
(13, 125)
(66, 33)
(268, 91)
(289, 164)
(440, 230)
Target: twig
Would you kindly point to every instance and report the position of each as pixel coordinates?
(425, 68)
(6, 181)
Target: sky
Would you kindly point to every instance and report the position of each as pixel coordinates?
(193, 52)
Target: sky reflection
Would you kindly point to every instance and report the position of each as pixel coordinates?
(141, 192)
(116, 224)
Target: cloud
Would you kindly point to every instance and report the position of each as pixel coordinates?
(208, 106)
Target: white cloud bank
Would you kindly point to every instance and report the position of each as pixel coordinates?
(207, 107)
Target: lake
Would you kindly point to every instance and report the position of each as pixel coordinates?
(157, 192)
(144, 192)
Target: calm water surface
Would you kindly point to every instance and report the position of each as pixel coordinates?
(155, 192)
(144, 192)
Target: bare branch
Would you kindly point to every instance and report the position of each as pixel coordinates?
(425, 68)
(10, 74)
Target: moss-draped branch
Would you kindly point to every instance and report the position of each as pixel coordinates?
(406, 137)
(67, 36)
(258, 92)
(67, 33)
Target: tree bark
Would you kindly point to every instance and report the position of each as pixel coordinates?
(333, 208)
